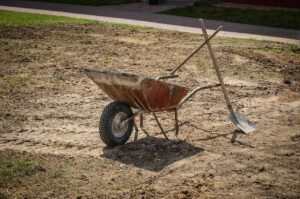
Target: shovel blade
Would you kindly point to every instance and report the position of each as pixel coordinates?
(240, 121)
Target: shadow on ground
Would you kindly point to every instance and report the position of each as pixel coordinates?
(151, 153)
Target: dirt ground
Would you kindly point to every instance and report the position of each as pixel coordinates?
(49, 112)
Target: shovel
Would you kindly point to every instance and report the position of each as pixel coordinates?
(240, 121)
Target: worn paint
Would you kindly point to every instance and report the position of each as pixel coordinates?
(139, 92)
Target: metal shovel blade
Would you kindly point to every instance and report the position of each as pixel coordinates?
(240, 121)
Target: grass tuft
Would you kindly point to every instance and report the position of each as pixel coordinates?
(13, 169)
(294, 48)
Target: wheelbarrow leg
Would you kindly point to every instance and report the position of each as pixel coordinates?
(162, 130)
(142, 125)
(176, 122)
(141, 121)
(136, 131)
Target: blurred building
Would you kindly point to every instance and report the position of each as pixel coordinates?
(273, 3)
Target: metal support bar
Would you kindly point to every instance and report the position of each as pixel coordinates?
(193, 92)
(124, 122)
(162, 130)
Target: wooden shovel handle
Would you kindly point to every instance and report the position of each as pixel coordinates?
(215, 63)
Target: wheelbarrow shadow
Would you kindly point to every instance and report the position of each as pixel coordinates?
(151, 153)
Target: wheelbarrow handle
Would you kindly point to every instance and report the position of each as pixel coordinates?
(215, 64)
(166, 77)
(195, 51)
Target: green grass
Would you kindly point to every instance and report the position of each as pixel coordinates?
(8, 18)
(92, 2)
(294, 49)
(12, 169)
(274, 18)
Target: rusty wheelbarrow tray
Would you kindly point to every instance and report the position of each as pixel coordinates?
(139, 92)
(149, 96)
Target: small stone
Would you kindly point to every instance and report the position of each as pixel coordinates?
(38, 118)
(261, 169)
(84, 178)
(186, 192)
(40, 168)
(122, 165)
(286, 81)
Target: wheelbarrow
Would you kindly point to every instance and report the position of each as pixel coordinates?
(149, 95)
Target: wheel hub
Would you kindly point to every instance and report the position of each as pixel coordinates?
(117, 129)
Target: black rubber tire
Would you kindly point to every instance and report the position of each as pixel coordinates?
(105, 124)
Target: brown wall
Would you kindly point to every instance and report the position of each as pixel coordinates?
(277, 3)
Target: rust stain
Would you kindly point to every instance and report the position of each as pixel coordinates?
(139, 92)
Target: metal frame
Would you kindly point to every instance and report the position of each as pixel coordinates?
(238, 120)
(184, 100)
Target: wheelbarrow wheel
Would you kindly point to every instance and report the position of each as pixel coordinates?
(111, 132)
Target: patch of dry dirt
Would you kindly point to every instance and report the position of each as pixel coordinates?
(49, 106)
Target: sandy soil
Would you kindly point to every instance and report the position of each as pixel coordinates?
(48, 106)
